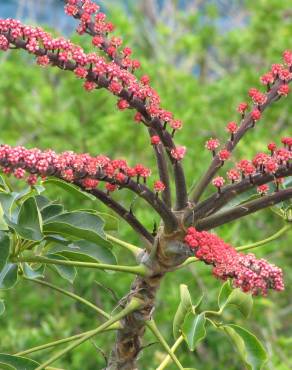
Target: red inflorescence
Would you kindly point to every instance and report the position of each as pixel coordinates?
(224, 155)
(231, 127)
(178, 153)
(262, 163)
(263, 189)
(159, 186)
(89, 66)
(218, 182)
(212, 144)
(155, 140)
(69, 166)
(247, 272)
(242, 107)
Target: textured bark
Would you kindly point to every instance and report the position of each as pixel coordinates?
(168, 252)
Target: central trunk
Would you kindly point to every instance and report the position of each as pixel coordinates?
(168, 252)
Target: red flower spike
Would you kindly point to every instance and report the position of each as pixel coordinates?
(248, 273)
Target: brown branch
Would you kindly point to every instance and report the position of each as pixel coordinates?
(163, 171)
(121, 211)
(246, 124)
(154, 123)
(243, 210)
(217, 201)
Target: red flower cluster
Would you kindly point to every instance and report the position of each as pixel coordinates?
(89, 66)
(261, 163)
(69, 166)
(248, 273)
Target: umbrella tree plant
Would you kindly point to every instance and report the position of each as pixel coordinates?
(37, 233)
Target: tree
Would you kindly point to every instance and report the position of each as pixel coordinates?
(32, 224)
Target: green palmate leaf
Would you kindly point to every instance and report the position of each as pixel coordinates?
(224, 293)
(235, 297)
(185, 306)
(66, 272)
(2, 308)
(30, 218)
(3, 184)
(29, 193)
(51, 211)
(42, 201)
(78, 225)
(31, 273)
(4, 249)
(8, 276)
(242, 301)
(17, 362)
(6, 366)
(29, 221)
(193, 329)
(74, 190)
(111, 223)
(250, 349)
(85, 251)
(3, 224)
(7, 200)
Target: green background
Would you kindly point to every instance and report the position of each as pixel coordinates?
(203, 66)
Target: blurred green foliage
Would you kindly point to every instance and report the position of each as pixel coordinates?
(202, 72)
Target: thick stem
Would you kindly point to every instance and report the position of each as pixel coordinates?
(167, 255)
(133, 305)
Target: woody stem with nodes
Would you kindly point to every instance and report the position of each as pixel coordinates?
(183, 230)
